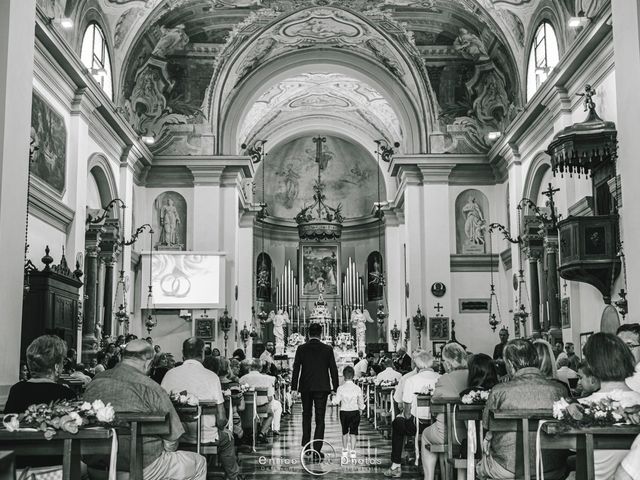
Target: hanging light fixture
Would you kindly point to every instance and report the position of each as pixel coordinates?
(494, 320)
(152, 320)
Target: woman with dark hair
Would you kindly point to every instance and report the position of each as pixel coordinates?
(611, 362)
(45, 359)
(483, 374)
(239, 354)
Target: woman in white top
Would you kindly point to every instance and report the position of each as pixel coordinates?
(611, 362)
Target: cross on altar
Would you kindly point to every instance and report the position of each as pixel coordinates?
(438, 307)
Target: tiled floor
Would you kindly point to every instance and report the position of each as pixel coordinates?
(281, 456)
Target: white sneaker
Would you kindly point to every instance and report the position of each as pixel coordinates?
(345, 454)
(353, 454)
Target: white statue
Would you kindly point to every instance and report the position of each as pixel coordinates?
(474, 224)
(359, 319)
(169, 223)
(279, 320)
(470, 46)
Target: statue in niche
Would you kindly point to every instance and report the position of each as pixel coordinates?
(279, 320)
(263, 277)
(170, 221)
(172, 39)
(474, 224)
(470, 46)
(359, 320)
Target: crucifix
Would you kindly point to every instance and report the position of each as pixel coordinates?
(549, 193)
(438, 307)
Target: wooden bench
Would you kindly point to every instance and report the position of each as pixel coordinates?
(422, 401)
(88, 441)
(7, 465)
(523, 423)
(555, 436)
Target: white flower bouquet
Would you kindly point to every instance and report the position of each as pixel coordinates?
(63, 416)
(475, 397)
(586, 413)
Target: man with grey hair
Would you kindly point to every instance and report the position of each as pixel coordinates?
(449, 385)
(274, 408)
(388, 374)
(402, 362)
(405, 424)
(129, 389)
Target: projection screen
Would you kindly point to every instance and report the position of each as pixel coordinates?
(184, 280)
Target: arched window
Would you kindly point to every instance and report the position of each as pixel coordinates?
(543, 57)
(95, 57)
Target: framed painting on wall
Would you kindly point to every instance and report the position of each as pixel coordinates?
(439, 328)
(565, 312)
(436, 348)
(49, 142)
(320, 269)
(204, 328)
(583, 340)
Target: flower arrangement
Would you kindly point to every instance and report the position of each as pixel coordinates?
(426, 390)
(475, 397)
(388, 383)
(587, 413)
(183, 399)
(295, 339)
(63, 416)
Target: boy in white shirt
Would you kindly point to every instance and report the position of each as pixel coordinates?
(349, 397)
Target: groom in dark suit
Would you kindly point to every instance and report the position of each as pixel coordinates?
(315, 375)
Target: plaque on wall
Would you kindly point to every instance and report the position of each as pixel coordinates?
(474, 305)
(565, 312)
(438, 289)
(439, 328)
(204, 328)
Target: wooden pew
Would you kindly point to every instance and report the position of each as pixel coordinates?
(88, 441)
(523, 423)
(7, 465)
(137, 425)
(585, 440)
(422, 401)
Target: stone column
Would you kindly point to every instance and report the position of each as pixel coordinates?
(626, 46)
(553, 292)
(17, 19)
(109, 251)
(395, 288)
(92, 249)
(246, 276)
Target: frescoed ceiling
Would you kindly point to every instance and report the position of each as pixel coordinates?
(318, 94)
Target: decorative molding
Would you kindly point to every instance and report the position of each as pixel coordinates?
(474, 263)
(506, 257)
(169, 177)
(48, 207)
(582, 208)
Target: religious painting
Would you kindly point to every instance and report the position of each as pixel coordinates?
(375, 277)
(319, 270)
(49, 143)
(439, 328)
(474, 305)
(204, 328)
(263, 277)
(516, 328)
(565, 312)
(583, 340)
(472, 219)
(170, 221)
(348, 173)
(436, 349)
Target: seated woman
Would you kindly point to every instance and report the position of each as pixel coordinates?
(45, 358)
(548, 363)
(611, 362)
(454, 362)
(483, 373)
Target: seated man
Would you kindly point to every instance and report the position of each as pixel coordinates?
(405, 424)
(587, 382)
(397, 395)
(388, 374)
(274, 408)
(402, 363)
(364, 366)
(128, 388)
(527, 389)
(205, 386)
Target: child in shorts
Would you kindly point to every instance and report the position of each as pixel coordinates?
(351, 401)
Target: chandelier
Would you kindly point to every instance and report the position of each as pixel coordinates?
(319, 221)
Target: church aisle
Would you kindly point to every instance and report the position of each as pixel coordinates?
(282, 455)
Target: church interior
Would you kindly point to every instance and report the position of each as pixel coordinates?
(415, 178)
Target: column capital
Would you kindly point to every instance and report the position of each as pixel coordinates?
(92, 239)
(210, 169)
(426, 168)
(84, 103)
